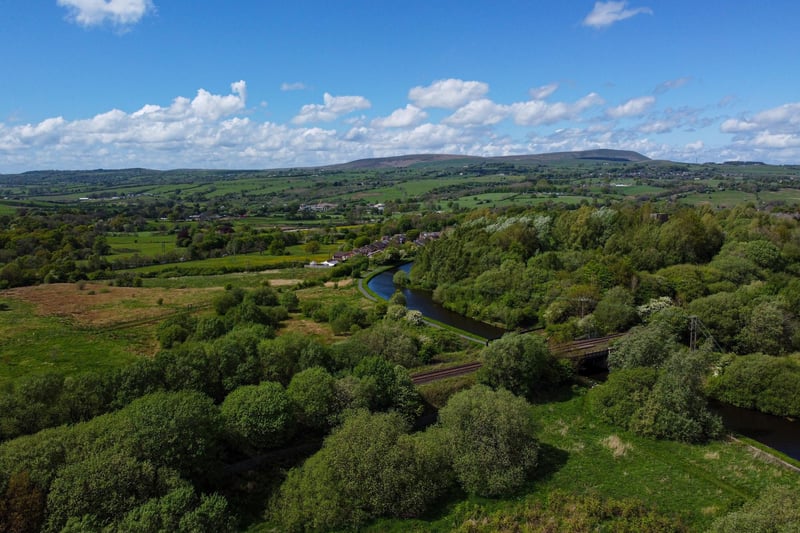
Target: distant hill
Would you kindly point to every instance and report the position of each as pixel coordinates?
(404, 161)
(109, 176)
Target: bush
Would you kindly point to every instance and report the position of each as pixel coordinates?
(768, 384)
(522, 364)
(491, 438)
(258, 416)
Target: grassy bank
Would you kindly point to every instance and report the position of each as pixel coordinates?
(696, 483)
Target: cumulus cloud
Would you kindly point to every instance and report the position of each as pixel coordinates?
(210, 130)
(605, 14)
(781, 119)
(294, 86)
(448, 94)
(410, 115)
(695, 146)
(631, 108)
(332, 108)
(481, 112)
(97, 12)
(538, 112)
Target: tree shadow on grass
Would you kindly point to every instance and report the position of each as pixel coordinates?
(551, 460)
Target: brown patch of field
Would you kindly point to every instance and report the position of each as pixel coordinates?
(308, 327)
(341, 283)
(284, 282)
(98, 305)
(618, 447)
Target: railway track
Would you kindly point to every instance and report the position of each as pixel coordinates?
(442, 373)
(575, 350)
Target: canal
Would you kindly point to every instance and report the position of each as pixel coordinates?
(779, 433)
(422, 301)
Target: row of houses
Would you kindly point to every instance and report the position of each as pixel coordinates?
(375, 247)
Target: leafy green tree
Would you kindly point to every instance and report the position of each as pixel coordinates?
(615, 311)
(313, 394)
(258, 417)
(368, 467)
(31, 404)
(86, 395)
(192, 443)
(492, 441)
(176, 329)
(179, 510)
(768, 329)
(383, 385)
(617, 401)
(649, 345)
(290, 301)
(522, 364)
(105, 485)
(228, 300)
(389, 340)
(282, 357)
(768, 384)
(237, 357)
(190, 366)
(677, 408)
(210, 328)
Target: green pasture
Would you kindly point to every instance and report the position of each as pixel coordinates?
(144, 243)
(790, 196)
(7, 209)
(697, 483)
(295, 255)
(246, 280)
(30, 344)
(719, 199)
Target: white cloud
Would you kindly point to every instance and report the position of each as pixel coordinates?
(332, 108)
(605, 14)
(540, 93)
(410, 115)
(733, 125)
(97, 12)
(209, 130)
(537, 112)
(448, 94)
(478, 113)
(695, 146)
(631, 108)
(781, 119)
(294, 86)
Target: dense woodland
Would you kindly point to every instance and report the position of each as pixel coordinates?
(237, 421)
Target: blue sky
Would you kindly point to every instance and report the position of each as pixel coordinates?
(255, 84)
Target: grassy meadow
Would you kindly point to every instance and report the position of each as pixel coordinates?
(697, 483)
(70, 328)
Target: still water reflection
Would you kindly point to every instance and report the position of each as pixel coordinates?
(421, 301)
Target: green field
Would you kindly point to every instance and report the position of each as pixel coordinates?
(145, 243)
(36, 345)
(580, 456)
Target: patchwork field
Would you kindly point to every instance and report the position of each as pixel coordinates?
(71, 328)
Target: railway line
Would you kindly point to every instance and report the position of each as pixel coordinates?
(576, 351)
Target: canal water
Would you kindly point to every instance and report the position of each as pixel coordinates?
(779, 433)
(422, 301)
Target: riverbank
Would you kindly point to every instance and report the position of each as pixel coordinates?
(579, 456)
